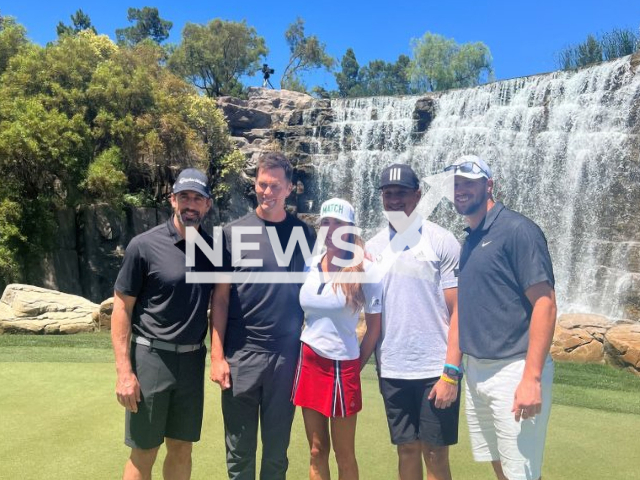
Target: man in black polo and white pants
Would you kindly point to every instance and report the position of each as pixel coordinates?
(506, 314)
(158, 327)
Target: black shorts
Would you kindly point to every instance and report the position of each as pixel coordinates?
(172, 397)
(411, 416)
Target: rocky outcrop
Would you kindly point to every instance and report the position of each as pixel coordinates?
(254, 122)
(102, 316)
(622, 347)
(274, 120)
(28, 309)
(584, 338)
(579, 338)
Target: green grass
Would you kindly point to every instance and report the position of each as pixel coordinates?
(597, 387)
(79, 348)
(59, 420)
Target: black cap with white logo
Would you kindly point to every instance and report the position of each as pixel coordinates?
(194, 180)
(401, 175)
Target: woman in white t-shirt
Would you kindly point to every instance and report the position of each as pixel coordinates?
(327, 382)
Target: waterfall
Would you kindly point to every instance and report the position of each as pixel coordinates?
(561, 146)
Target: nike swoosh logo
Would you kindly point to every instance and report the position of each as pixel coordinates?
(484, 244)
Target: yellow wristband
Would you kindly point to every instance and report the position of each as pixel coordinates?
(449, 380)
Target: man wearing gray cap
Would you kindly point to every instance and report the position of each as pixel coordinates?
(507, 313)
(158, 327)
(417, 353)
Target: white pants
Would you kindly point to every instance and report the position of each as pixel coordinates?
(495, 434)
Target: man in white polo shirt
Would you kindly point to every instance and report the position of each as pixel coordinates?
(417, 353)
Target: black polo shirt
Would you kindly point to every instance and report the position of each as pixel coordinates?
(154, 271)
(265, 317)
(504, 256)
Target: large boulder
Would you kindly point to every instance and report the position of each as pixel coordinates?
(622, 346)
(579, 338)
(102, 316)
(29, 309)
(263, 108)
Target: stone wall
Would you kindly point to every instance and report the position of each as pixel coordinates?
(90, 245)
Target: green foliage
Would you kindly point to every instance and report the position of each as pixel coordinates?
(225, 162)
(224, 170)
(347, 77)
(619, 43)
(41, 148)
(84, 120)
(214, 56)
(13, 37)
(106, 180)
(306, 53)
(614, 44)
(321, 92)
(440, 63)
(11, 241)
(148, 25)
(589, 52)
(384, 78)
(142, 198)
(79, 21)
(375, 78)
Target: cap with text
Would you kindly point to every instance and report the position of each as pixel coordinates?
(338, 208)
(401, 175)
(470, 166)
(193, 180)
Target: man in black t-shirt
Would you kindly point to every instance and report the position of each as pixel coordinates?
(256, 328)
(158, 327)
(506, 318)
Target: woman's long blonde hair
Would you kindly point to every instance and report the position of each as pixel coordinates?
(352, 290)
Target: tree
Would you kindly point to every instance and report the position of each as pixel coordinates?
(306, 53)
(11, 241)
(83, 120)
(106, 180)
(619, 43)
(12, 39)
(440, 63)
(589, 52)
(214, 56)
(384, 78)
(79, 21)
(375, 78)
(347, 78)
(614, 44)
(148, 25)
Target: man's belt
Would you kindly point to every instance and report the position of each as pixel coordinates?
(169, 347)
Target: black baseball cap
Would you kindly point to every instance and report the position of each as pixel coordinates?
(193, 180)
(399, 174)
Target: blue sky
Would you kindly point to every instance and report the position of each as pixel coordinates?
(523, 37)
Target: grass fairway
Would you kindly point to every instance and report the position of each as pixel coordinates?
(59, 420)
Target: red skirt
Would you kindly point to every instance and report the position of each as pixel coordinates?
(331, 387)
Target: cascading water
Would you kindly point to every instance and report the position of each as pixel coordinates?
(559, 145)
